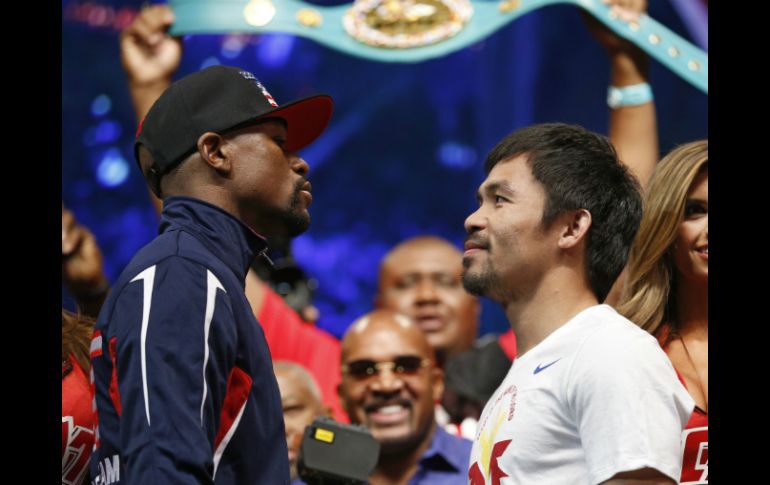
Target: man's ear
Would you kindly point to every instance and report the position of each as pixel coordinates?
(145, 159)
(575, 228)
(146, 162)
(213, 151)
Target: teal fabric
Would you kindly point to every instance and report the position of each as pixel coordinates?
(224, 16)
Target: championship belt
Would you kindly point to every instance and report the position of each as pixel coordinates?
(417, 30)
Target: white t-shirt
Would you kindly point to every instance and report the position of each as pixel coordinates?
(595, 398)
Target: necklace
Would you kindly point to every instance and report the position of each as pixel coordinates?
(697, 374)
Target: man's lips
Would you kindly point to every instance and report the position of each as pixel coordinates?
(306, 192)
(430, 322)
(376, 404)
(472, 247)
(388, 414)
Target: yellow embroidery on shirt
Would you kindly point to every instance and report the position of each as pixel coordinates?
(487, 439)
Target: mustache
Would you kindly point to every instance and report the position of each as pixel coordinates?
(300, 185)
(476, 240)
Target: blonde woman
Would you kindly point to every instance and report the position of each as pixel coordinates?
(666, 279)
(666, 284)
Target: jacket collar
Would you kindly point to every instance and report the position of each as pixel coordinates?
(225, 236)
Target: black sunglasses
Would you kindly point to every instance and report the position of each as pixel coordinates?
(401, 365)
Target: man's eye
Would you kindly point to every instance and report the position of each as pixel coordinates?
(448, 281)
(405, 283)
(292, 409)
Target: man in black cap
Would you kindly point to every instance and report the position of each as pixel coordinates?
(185, 391)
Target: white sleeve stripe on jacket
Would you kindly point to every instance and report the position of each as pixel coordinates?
(226, 440)
(148, 276)
(212, 283)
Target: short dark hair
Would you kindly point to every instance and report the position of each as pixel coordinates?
(580, 170)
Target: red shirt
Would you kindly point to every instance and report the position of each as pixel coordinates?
(77, 423)
(290, 338)
(507, 342)
(695, 436)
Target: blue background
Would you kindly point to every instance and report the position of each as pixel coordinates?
(403, 154)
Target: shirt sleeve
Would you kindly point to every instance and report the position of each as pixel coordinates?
(629, 406)
(175, 346)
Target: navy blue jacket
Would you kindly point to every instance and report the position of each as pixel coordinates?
(184, 385)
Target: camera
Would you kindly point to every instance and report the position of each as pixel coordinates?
(333, 453)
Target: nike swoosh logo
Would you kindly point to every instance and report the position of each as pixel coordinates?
(539, 368)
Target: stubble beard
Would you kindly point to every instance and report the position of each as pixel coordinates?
(294, 218)
(480, 282)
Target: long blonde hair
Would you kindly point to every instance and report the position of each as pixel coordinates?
(648, 291)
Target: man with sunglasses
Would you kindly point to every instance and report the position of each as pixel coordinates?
(390, 384)
(184, 386)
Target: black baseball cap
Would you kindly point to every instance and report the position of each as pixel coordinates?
(218, 99)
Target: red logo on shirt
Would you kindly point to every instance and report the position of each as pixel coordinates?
(476, 477)
(76, 452)
(695, 464)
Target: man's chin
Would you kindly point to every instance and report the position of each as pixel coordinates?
(475, 283)
(296, 224)
(392, 443)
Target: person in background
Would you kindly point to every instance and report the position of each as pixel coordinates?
(84, 278)
(420, 278)
(302, 404)
(82, 266)
(390, 384)
(666, 286)
(77, 415)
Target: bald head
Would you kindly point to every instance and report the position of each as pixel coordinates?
(301, 402)
(421, 278)
(385, 322)
(299, 375)
(390, 381)
(418, 244)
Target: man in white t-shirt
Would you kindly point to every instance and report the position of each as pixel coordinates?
(591, 398)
